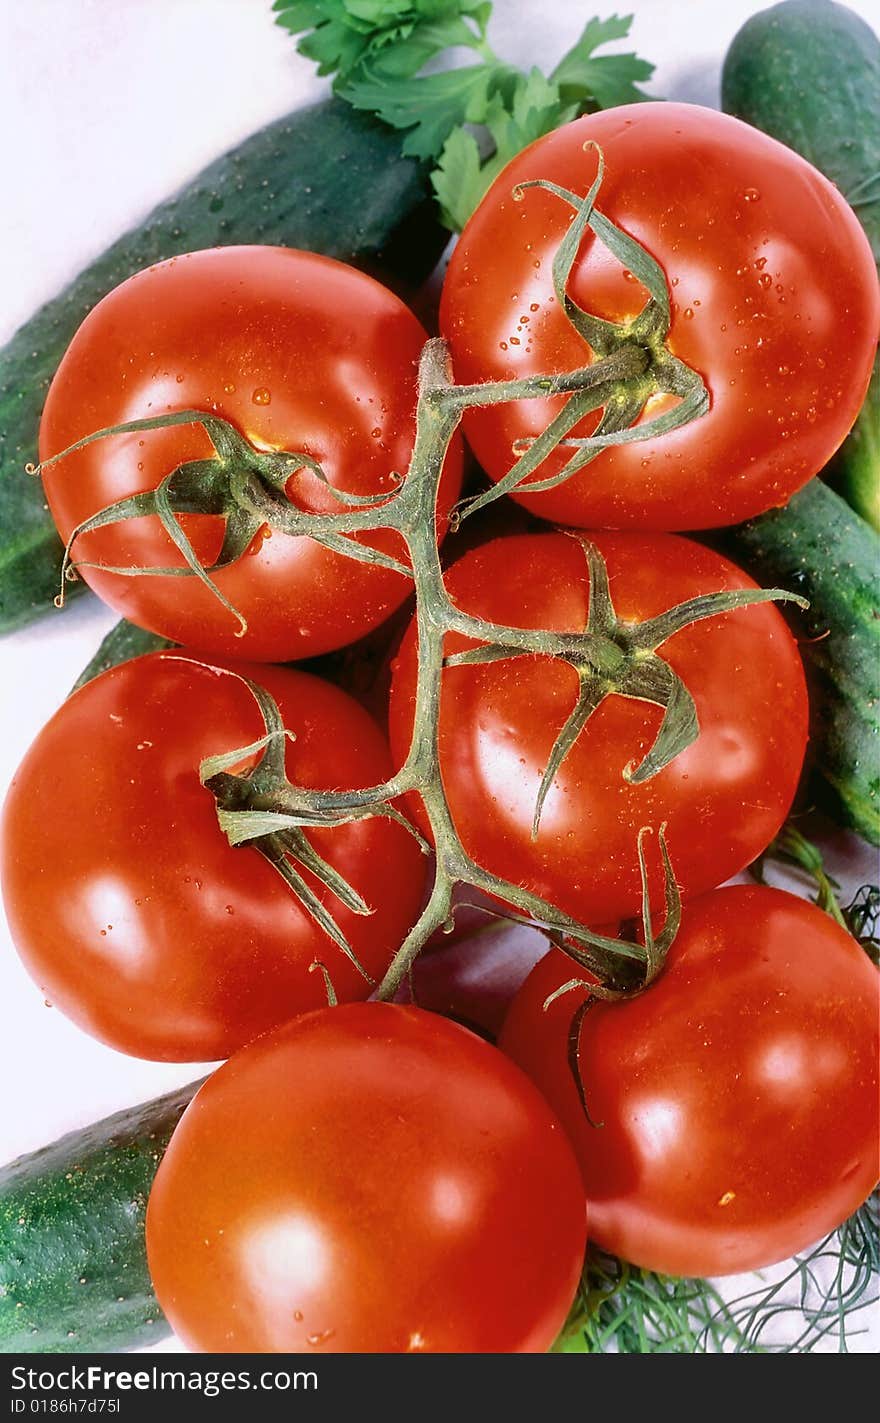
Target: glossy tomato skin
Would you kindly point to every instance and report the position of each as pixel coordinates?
(367, 1179)
(299, 352)
(723, 799)
(129, 908)
(774, 302)
(737, 1096)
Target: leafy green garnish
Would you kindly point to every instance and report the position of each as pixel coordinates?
(396, 38)
(607, 80)
(470, 120)
(802, 1306)
(430, 108)
(462, 175)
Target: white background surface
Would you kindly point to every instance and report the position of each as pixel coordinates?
(106, 106)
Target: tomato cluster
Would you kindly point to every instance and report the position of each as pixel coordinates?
(212, 859)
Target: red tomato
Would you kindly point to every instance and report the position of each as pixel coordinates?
(736, 1097)
(299, 353)
(124, 898)
(723, 798)
(774, 297)
(367, 1179)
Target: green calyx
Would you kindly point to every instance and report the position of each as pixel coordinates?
(247, 489)
(615, 658)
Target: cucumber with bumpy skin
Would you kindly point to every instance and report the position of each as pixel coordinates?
(327, 178)
(808, 73)
(73, 1266)
(817, 546)
(855, 470)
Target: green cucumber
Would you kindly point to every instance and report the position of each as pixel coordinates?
(123, 642)
(326, 178)
(855, 470)
(817, 546)
(73, 1267)
(808, 73)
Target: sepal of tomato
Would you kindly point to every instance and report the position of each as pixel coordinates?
(126, 902)
(723, 798)
(735, 1100)
(774, 297)
(299, 353)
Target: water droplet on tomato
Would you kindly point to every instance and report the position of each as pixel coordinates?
(751, 195)
(376, 432)
(765, 280)
(688, 313)
(229, 388)
(262, 396)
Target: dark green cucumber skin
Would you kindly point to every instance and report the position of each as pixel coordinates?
(855, 470)
(122, 643)
(819, 547)
(327, 179)
(73, 1264)
(808, 73)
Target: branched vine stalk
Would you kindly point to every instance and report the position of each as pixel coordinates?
(628, 364)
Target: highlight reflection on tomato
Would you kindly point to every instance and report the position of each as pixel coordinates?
(723, 798)
(774, 296)
(367, 1179)
(737, 1096)
(125, 900)
(298, 352)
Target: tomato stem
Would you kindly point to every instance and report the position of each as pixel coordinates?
(247, 489)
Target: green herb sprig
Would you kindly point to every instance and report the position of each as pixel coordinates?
(466, 121)
(811, 1303)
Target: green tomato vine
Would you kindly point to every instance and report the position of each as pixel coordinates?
(627, 364)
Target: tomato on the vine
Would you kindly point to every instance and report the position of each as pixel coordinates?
(774, 302)
(124, 898)
(733, 1104)
(723, 798)
(298, 352)
(367, 1179)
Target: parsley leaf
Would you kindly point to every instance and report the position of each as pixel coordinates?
(461, 177)
(399, 36)
(468, 121)
(430, 106)
(607, 80)
(458, 179)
